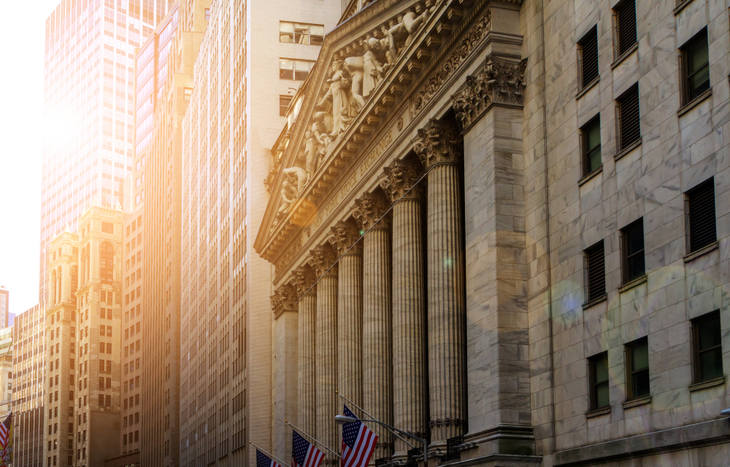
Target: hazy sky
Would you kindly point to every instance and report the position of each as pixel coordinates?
(21, 112)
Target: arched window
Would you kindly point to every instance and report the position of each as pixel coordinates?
(106, 264)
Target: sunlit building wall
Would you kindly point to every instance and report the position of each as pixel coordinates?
(88, 106)
(28, 395)
(4, 307)
(6, 371)
(253, 58)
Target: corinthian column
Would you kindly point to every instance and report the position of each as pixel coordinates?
(307, 306)
(326, 346)
(438, 146)
(283, 303)
(410, 407)
(349, 310)
(377, 359)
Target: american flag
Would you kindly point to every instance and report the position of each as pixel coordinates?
(304, 453)
(6, 441)
(358, 443)
(262, 460)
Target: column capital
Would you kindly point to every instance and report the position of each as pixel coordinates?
(499, 81)
(343, 235)
(284, 299)
(400, 177)
(321, 258)
(369, 209)
(439, 142)
(303, 278)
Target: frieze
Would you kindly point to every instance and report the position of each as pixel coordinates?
(288, 255)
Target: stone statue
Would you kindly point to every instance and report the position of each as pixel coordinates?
(402, 32)
(288, 195)
(298, 178)
(337, 95)
(321, 134)
(311, 153)
(354, 66)
(372, 69)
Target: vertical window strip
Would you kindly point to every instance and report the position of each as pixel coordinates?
(596, 272)
(629, 118)
(702, 228)
(626, 25)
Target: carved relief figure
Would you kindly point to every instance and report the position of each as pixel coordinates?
(288, 195)
(311, 153)
(372, 69)
(339, 85)
(354, 67)
(298, 178)
(401, 34)
(321, 134)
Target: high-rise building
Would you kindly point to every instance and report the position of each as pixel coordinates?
(4, 307)
(6, 371)
(252, 59)
(89, 115)
(83, 351)
(28, 389)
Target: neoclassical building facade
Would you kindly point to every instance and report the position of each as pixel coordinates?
(489, 227)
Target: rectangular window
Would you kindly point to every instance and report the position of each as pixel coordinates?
(632, 238)
(695, 63)
(637, 358)
(707, 344)
(598, 369)
(301, 33)
(595, 265)
(701, 215)
(296, 70)
(628, 118)
(107, 227)
(625, 26)
(591, 145)
(588, 58)
(284, 102)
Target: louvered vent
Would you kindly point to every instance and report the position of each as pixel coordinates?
(626, 24)
(629, 116)
(596, 272)
(702, 215)
(589, 57)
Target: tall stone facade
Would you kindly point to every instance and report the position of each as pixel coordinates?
(484, 151)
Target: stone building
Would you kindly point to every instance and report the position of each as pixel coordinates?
(29, 370)
(82, 341)
(6, 371)
(501, 225)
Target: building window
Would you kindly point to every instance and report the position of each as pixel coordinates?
(588, 58)
(628, 118)
(624, 15)
(707, 344)
(301, 33)
(695, 62)
(701, 215)
(106, 269)
(296, 70)
(207, 14)
(598, 370)
(107, 227)
(591, 145)
(632, 243)
(284, 102)
(637, 356)
(596, 271)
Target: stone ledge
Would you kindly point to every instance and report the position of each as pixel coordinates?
(588, 87)
(694, 103)
(627, 149)
(674, 439)
(598, 412)
(632, 284)
(624, 55)
(680, 6)
(707, 384)
(702, 251)
(595, 301)
(590, 176)
(637, 402)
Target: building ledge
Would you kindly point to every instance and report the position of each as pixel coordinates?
(590, 176)
(588, 87)
(624, 55)
(702, 251)
(694, 103)
(711, 383)
(598, 412)
(637, 402)
(627, 149)
(632, 284)
(595, 301)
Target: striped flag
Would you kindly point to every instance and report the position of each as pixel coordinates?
(262, 460)
(358, 443)
(304, 453)
(6, 440)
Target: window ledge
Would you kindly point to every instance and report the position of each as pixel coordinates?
(628, 149)
(623, 56)
(702, 251)
(595, 301)
(590, 176)
(681, 6)
(598, 412)
(587, 88)
(632, 284)
(637, 402)
(707, 384)
(694, 103)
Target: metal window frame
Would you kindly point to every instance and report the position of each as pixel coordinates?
(684, 56)
(696, 352)
(592, 379)
(630, 370)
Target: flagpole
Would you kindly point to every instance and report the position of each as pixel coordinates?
(268, 454)
(311, 437)
(370, 416)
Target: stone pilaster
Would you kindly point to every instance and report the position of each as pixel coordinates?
(283, 303)
(410, 405)
(307, 306)
(377, 358)
(322, 260)
(439, 148)
(344, 236)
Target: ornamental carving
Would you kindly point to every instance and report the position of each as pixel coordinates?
(322, 259)
(439, 142)
(284, 299)
(400, 180)
(288, 255)
(500, 81)
(303, 278)
(344, 235)
(457, 57)
(369, 211)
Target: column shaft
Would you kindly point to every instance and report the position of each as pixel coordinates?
(349, 328)
(326, 361)
(307, 370)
